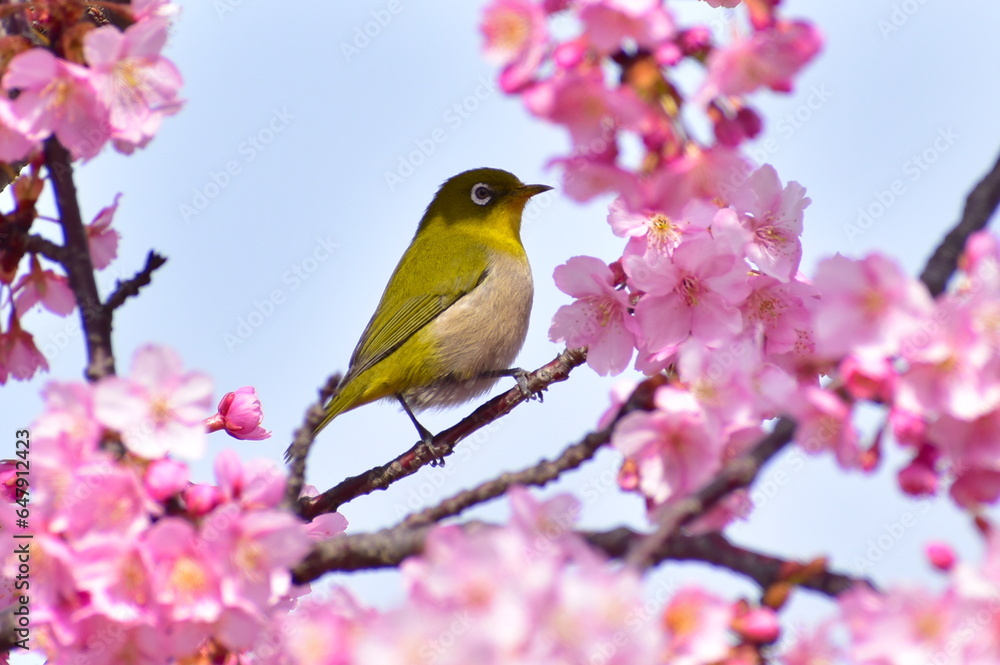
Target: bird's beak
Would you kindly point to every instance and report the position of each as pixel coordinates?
(525, 192)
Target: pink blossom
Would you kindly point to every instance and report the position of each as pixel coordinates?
(240, 414)
(143, 10)
(56, 96)
(116, 574)
(516, 37)
(722, 381)
(19, 356)
(255, 551)
(953, 371)
(774, 214)
(101, 238)
(255, 484)
(586, 176)
(609, 23)
(326, 526)
(14, 145)
(620, 392)
(777, 311)
(697, 626)
(813, 648)
(868, 306)
(770, 57)
(900, 625)
(599, 319)
(651, 231)
(159, 409)
(590, 110)
(132, 80)
(825, 424)
(45, 287)
(696, 292)
(185, 571)
(975, 488)
(698, 173)
(672, 449)
(121, 507)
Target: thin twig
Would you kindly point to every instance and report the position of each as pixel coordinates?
(130, 287)
(46, 248)
(444, 443)
(304, 436)
(95, 320)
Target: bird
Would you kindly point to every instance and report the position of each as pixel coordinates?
(454, 314)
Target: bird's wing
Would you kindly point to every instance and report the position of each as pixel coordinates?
(413, 298)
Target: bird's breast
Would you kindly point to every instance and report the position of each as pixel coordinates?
(482, 331)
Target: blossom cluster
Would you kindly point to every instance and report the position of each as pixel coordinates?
(708, 285)
(130, 561)
(96, 85)
(528, 592)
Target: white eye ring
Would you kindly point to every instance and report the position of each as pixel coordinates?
(481, 194)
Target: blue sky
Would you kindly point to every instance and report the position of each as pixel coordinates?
(269, 195)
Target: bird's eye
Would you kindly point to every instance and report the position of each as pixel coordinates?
(481, 194)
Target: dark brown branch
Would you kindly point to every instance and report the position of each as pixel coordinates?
(545, 471)
(444, 443)
(980, 205)
(735, 474)
(130, 287)
(389, 547)
(94, 318)
(717, 550)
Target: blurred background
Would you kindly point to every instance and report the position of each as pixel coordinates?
(286, 190)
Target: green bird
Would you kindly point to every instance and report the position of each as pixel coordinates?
(455, 312)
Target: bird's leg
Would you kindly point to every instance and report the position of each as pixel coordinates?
(519, 375)
(425, 435)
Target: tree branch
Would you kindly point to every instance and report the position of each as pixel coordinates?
(94, 318)
(389, 547)
(130, 287)
(544, 471)
(980, 205)
(444, 443)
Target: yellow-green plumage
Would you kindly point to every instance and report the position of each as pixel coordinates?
(457, 304)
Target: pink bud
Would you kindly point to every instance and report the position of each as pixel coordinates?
(941, 555)
(760, 626)
(166, 478)
(241, 415)
(201, 499)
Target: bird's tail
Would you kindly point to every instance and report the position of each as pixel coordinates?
(345, 399)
